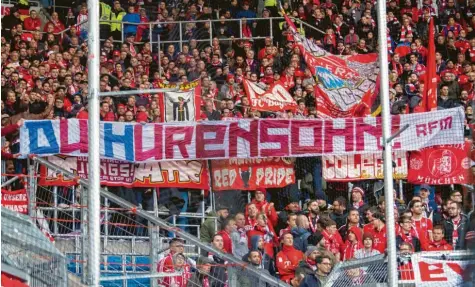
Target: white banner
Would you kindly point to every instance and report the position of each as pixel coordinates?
(430, 271)
(241, 138)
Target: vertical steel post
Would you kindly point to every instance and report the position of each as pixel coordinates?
(271, 29)
(387, 153)
(210, 33)
(94, 199)
(159, 59)
(181, 36)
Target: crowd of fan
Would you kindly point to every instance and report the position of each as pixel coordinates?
(44, 76)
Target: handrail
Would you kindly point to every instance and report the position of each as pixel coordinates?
(163, 224)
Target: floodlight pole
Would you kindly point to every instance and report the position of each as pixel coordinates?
(387, 154)
(94, 199)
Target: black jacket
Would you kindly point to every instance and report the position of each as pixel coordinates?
(462, 230)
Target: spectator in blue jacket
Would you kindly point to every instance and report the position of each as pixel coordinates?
(131, 17)
(246, 13)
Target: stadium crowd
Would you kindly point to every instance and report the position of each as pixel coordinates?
(44, 76)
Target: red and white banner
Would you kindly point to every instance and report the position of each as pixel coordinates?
(440, 165)
(182, 174)
(347, 85)
(249, 174)
(243, 138)
(431, 271)
(16, 200)
(275, 99)
(362, 166)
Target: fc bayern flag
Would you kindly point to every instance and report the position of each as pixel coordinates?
(441, 165)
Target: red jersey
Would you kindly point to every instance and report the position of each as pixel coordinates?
(441, 245)
(287, 261)
(166, 265)
(380, 240)
(423, 227)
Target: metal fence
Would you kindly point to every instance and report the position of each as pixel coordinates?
(28, 254)
(133, 241)
(450, 268)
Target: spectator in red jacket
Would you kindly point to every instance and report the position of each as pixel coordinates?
(288, 259)
(379, 232)
(229, 225)
(264, 206)
(438, 243)
(32, 23)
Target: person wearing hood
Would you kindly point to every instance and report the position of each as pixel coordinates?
(264, 206)
(267, 232)
(301, 233)
(288, 258)
(257, 244)
(353, 243)
(438, 243)
(208, 228)
(427, 195)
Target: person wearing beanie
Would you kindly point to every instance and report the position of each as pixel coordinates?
(264, 206)
(367, 250)
(353, 243)
(288, 258)
(308, 262)
(201, 277)
(357, 199)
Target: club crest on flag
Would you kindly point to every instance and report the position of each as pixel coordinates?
(329, 80)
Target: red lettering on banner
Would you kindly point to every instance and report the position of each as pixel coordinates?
(235, 132)
(65, 146)
(201, 141)
(154, 153)
(171, 141)
(282, 138)
(347, 132)
(315, 144)
(363, 128)
(427, 129)
(432, 272)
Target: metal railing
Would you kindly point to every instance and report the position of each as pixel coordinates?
(128, 233)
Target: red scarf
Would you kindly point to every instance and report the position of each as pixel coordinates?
(311, 263)
(333, 241)
(408, 237)
(350, 249)
(455, 233)
(313, 226)
(205, 281)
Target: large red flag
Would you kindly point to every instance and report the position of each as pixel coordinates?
(429, 101)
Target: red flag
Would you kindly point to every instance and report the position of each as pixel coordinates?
(429, 101)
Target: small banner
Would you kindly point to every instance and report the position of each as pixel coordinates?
(16, 200)
(440, 165)
(275, 99)
(431, 270)
(181, 174)
(182, 105)
(249, 174)
(362, 166)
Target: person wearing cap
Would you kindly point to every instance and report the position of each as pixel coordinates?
(209, 227)
(367, 250)
(287, 260)
(264, 206)
(201, 276)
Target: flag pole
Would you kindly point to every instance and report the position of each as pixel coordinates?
(93, 190)
(387, 153)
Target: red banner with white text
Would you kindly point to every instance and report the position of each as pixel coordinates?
(444, 164)
(181, 174)
(433, 269)
(249, 174)
(275, 99)
(362, 166)
(16, 200)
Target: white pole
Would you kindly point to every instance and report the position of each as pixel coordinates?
(94, 200)
(387, 165)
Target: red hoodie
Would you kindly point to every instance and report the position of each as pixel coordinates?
(350, 248)
(270, 240)
(441, 245)
(287, 261)
(227, 241)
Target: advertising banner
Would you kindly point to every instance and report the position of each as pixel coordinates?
(16, 200)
